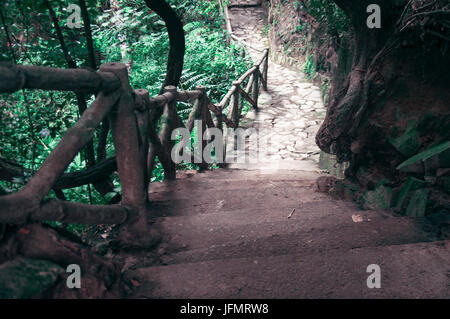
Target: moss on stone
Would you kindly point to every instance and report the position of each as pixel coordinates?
(379, 198)
(408, 143)
(418, 203)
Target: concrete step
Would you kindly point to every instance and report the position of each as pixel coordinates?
(313, 226)
(207, 183)
(244, 3)
(205, 194)
(214, 201)
(271, 166)
(419, 270)
(282, 174)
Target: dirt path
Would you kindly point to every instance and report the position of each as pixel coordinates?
(251, 233)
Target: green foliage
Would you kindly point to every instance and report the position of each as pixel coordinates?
(300, 27)
(266, 30)
(310, 67)
(324, 90)
(329, 14)
(208, 59)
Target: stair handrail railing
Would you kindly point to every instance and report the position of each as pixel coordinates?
(132, 117)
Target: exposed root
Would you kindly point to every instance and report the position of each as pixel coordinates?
(100, 276)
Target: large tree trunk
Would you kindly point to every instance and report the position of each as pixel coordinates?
(348, 96)
(398, 85)
(174, 26)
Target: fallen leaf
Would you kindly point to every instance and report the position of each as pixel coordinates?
(24, 231)
(135, 283)
(357, 218)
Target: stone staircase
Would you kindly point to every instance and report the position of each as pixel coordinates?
(263, 231)
(250, 234)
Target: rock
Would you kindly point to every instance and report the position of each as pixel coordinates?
(343, 190)
(301, 135)
(27, 278)
(264, 116)
(407, 144)
(283, 124)
(290, 148)
(295, 99)
(410, 185)
(264, 98)
(312, 130)
(303, 85)
(329, 163)
(271, 112)
(251, 115)
(325, 183)
(418, 203)
(380, 198)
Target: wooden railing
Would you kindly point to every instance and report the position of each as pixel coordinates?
(256, 75)
(229, 28)
(132, 117)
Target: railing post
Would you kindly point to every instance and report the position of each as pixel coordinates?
(170, 110)
(219, 122)
(153, 136)
(249, 84)
(266, 68)
(202, 129)
(255, 89)
(236, 113)
(142, 100)
(126, 142)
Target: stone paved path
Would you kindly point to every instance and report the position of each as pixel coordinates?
(291, 112)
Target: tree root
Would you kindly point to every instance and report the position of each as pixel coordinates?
(100, 277)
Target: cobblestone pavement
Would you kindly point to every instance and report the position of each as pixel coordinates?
(291, 111)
